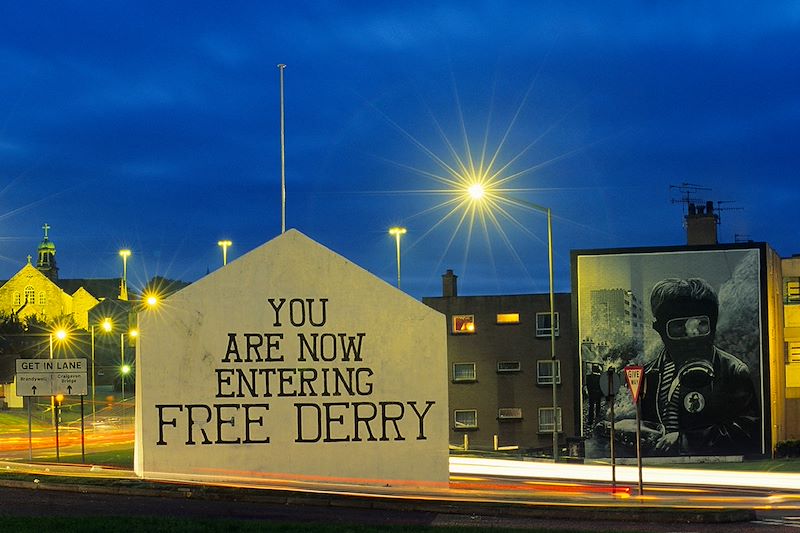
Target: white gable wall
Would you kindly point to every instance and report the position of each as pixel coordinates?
(193, 351)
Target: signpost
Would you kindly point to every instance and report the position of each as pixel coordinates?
(52, 377)
(609, 387)
(635, 377)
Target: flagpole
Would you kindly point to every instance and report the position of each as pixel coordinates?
(281, 67)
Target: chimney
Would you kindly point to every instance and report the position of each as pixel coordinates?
(701, 224)
(449, 284)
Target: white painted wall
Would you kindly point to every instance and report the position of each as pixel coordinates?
(186, 358)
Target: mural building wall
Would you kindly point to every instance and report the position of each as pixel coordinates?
(697, 321)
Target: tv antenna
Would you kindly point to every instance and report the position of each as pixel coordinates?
(720, 207)
(687, 194)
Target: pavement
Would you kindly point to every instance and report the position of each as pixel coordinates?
(463, 496)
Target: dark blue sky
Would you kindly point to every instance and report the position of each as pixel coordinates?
(155, 126)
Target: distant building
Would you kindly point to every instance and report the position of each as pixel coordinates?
(38, 291)
(617, 316)
(501, 371)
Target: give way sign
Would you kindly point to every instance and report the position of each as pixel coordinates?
(635, 377)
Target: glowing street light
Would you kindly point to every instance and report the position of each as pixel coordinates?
(478, 193)
(123, 289)
(60, 334)
(106, 325)
(398, 232)
(151, 300)
(224, 245)
(132, 333)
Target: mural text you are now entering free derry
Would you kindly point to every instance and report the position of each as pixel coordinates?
(292, 361)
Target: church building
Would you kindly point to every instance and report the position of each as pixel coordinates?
(37, 290)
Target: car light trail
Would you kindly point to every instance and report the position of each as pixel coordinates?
(471, 466)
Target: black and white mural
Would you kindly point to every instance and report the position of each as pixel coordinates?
(693, 320)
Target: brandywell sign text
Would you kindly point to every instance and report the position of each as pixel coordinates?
(325, 376)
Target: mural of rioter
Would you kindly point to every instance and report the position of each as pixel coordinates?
(700, 397)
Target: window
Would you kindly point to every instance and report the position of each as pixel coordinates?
(793, 352)
(17, 298)
(508, 366)
(546, 419)
(465, 419)
(791, 290)
(544, 372)
(42, 298)
(509, 413)
(543, 324)
(464, 372)
(464, 324)
(30, 295)
(508, 318)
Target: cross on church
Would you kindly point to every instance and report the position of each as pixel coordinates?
(29, 259)
(45, 228)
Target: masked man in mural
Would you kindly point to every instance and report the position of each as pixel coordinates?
(702, 396)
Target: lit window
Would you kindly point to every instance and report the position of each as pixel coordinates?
(42, 298)
(508, 366)
(17, 298)
(508, 318)
(509, 413)
(464, 324)
(464, 372)
(543, 324)
(546, 419)
(30, 295)
(544, 372)
(465, 419)
(793, 352)
(791, 290)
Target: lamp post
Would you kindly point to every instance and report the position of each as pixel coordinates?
(60, 335)
(106, 326)
(123, 289)
(224, 245)
(124, 369)
(397, 232)
(477, 191)
(553, 359)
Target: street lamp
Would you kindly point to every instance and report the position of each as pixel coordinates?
(60, 335)
(151, 300)
(477, 192)
(397, 232)
(132, 333)
(123, 289)
(106, 325)
(225, 245)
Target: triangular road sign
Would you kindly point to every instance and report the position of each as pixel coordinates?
(635, 377)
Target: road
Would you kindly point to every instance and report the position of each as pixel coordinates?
(587, 488)
(33, 503)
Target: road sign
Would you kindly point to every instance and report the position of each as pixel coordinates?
(635, 377)
(609, 383)
(50, 377)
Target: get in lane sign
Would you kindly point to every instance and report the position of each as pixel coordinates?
(50, 377)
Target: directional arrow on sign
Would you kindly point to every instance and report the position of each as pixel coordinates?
(34, 390)
(69, 389)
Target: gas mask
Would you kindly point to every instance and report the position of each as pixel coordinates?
(689, 341)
